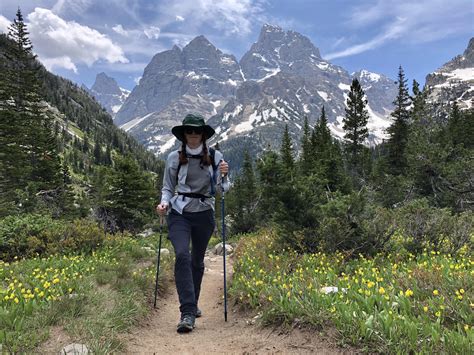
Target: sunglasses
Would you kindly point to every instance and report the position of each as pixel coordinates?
(191, 130)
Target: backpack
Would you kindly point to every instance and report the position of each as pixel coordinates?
(212, 153)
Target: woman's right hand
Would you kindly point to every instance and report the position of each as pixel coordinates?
(162, 208)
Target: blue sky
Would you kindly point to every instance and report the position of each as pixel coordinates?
(79, 38)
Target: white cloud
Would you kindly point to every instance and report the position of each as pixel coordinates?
(60, 62)
(179, 18)
(152, 32)
(231, 17)
(395, 31)
(411, 21)
(4, 23)
(137, 80)
(71, 8)
(67, 43)
(120, 30)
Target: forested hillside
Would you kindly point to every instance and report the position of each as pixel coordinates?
(343, 195)
(61, 152)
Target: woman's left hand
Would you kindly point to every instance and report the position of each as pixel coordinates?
(223, 168)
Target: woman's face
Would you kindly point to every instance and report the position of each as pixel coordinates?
(194, 136)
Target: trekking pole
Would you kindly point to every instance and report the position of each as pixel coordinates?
(223, 244)
(158, 261)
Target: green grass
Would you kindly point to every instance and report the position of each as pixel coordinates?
(76, 130)
(395, 303)
(93, 298)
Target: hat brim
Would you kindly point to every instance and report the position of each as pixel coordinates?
(178, 131)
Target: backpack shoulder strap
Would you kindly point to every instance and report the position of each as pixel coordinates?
(212, 153)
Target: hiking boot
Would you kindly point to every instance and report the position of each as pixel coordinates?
(198, 313)
(186, 324)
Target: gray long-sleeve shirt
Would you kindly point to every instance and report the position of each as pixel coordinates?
(191, 179)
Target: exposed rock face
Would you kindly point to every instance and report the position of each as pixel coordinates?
(200, 69)
(280, 80)
(108, 93)
(454, 81)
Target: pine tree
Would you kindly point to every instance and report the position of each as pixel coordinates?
(321, 139)
(131, 194)
(419, 112)
(328, 156)
(98, 154)
(108, 156)
(420, 144)
(307, 156)
(459, 127)
(355, 124)
(286, 152)
(66, 197)
(270, 178)
(243, 204)
(31, 157)
(398, 131)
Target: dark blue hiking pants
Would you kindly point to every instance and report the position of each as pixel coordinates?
(197, 228)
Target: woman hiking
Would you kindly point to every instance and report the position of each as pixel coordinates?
(193, 171)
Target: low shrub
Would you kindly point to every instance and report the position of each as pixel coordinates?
(432, 228)
(33, 234)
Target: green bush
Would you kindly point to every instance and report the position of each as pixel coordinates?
(423, 226)
(344, 223)
(33, 234)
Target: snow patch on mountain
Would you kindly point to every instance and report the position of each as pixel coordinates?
(167, 145)
(130, 124)
(344, 87)
(323, 94)
(273, 72)
(455, 76)
(365, 74)
(336, 127)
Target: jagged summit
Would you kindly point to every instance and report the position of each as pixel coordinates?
(108, 93)
(105, 84)
(278, 51)
(280, 80)
(199, 41)
(454, 81)
(469, 53)
(269, 27)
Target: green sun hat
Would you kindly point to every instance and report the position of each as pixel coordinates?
(193, 120)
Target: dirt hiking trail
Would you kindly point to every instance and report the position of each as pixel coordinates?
(212, 334)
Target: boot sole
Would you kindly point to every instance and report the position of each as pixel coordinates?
(185, 329)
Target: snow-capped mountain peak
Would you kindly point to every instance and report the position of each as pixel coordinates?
(108, 93)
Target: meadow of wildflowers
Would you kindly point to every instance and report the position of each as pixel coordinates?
(397, 302)
(38, 292)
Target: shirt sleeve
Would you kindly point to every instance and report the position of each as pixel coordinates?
(169, 178)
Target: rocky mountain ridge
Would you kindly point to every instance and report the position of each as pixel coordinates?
(454, 81)
(108, 93)
(281, 80)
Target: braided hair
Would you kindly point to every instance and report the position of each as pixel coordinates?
(205, 160)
